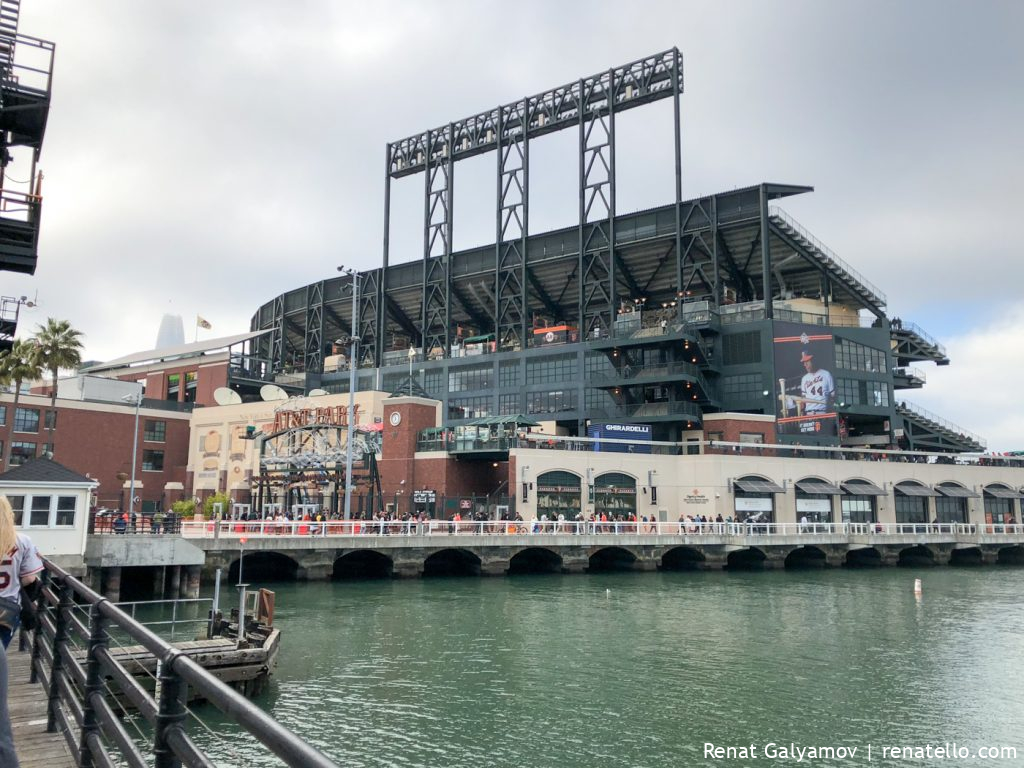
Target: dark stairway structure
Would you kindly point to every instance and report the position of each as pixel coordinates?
(26, 66)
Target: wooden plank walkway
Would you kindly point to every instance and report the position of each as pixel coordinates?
(27, 701)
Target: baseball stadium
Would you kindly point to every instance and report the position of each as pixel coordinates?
(661, 317)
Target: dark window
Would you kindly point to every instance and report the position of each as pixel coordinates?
(26, 420)
(51, 420)
(156, 431)
(551, 402)
(66, 510)
(469, 407)
(40, 514)
(152, 461)
(173, 386)
(22, 452)
(911, 509)
(433, 381)
(190, 387)
(18, 505)
(508, 373)
(857, 357)
(508, 405)
(3, 415)
(543, 370)
(740, 348)
(858, 509)
(747, 386)
(466, 379)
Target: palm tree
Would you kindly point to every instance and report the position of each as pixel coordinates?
(18, 364)
(58, 345)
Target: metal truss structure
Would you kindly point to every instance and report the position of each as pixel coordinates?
(698, 267)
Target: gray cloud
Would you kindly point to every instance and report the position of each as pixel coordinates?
(205, 158)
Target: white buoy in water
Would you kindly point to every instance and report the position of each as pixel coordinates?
(917, 586)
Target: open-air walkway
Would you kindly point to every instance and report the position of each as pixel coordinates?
(27, 701)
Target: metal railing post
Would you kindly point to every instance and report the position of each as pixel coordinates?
(37, 640)
(60, 637)
(98, 639)
(170, 712)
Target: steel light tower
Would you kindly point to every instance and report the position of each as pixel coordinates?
(136, 400)
(354, 341)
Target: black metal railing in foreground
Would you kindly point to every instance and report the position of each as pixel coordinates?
(78, 693)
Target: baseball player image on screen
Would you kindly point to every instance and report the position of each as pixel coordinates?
(817, 387)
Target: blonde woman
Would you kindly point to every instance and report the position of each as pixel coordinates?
(20, 564)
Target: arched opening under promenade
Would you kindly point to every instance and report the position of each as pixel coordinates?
(264, 567)
(966, 556)
(1011, 556)
(535, 560)
(916, 557)
(611, 559)
(751, 559)
(805, 557)
(452, 562)
(868, 557)
(364, 564)
(682, 559)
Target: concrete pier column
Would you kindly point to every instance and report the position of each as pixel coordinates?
(989, 556)
(645, 565)
(175, 586)
(494, 567)
(578, 564)
(190, 585)
(159, 577)
(835, 559)
(889, 557)
(112, 584)
(942, 556)
(319, 572)
(407, 570)
(714, 562)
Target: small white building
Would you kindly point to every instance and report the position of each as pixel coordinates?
(51, 504)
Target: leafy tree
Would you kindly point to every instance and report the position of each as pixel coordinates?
(17, 365)
(58, 345)
(184, 508)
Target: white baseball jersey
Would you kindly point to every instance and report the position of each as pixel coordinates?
(21, 561)
(817, 389)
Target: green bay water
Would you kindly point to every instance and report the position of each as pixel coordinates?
(643, 669)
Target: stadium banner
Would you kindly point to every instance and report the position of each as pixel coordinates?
(805, 390)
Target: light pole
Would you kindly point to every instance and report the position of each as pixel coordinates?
(412, 355)
(351, 387)
(135, 399)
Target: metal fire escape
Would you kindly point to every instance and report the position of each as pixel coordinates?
(26, 66)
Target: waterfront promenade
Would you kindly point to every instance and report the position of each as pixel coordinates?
(410, 548)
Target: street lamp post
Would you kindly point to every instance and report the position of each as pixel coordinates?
(351, 387)
(136, 400)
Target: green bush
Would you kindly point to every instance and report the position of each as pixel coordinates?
(185, 508)
(218, 498)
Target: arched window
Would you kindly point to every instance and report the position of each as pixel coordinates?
(558, 493)
(814, 500)
(951, 505)
(912, 502)
(1000, 505)
(858, 501)
(754, 500)
(615, 495)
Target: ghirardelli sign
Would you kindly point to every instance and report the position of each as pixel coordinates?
(303, 417)
(696, 496)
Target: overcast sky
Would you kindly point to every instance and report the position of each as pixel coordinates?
(203, 157)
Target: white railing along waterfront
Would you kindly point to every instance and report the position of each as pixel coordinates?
(233, 530)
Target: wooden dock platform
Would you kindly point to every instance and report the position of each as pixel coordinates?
(27, 701)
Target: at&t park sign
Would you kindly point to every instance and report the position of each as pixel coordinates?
(336, 416)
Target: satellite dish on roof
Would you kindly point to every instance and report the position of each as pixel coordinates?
(271, 392)
(226, 396)
(318, 392)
